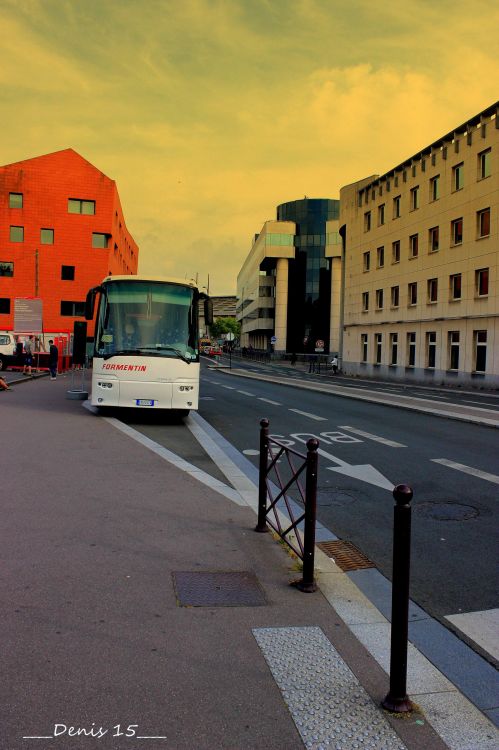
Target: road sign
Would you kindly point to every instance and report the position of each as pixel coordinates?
(230, 336)
(273, 339)
(319, 345)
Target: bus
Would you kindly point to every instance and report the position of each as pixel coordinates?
(145, 349)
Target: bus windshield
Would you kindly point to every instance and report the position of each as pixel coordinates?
(147, 318)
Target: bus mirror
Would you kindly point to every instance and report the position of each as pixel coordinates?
(90, 303)
(208, 312)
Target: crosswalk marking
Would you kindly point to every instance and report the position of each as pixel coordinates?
(370, 436)
(467, 470)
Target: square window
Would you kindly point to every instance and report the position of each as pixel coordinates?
(380, 253)
(483, 222)
(433, 239)
(396, 251)
(367, 261)
(80, 206)
(15, 200)
(17, 234)
(482, 282)
(379, 299)
(6, 268)
(72, 309)
(456, 231)
(484, 164)
(432, 290)
(396, 207)
(367, 221)
(414, 198)
(394, 296)
(458, 177)
(47, 236)
(365, 301)
(4, 306)
(455, 286)
(435, 188)
(99, 239)
(413, 246)
(67, 273)
(381, 214)
(412, 293)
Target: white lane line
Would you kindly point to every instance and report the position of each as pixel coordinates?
(481, 403)
(370, 436)
(467, 470)
(311, 416)
(229, 387)
(430, 396)
(269, 401)
(246, 393)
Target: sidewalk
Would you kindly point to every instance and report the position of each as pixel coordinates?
(119, 610)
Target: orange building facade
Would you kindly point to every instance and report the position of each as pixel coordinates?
(62, 230)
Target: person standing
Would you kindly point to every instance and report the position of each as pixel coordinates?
(53, 359)
(28, 356)
(334, 365)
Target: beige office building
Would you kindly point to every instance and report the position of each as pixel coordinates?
(421, 246)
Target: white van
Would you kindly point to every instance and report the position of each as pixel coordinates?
(7, 349)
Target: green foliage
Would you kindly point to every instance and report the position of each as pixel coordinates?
(225, 325)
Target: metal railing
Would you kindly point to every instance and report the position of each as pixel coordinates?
(292, 518)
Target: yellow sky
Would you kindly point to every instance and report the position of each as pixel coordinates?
(209, 113)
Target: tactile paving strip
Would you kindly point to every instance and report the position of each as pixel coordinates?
(345, 555)
(218, 589)
(330, 708)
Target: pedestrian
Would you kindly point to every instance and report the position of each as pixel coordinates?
(334, 365)
(4, 386)
(28, 356)
(312, 360)
(293, 358)
(53, 358)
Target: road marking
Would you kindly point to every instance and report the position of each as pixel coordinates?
(467, 470)
(370, 436)
(485, 406)
(429, 396)
(246, 393)
(311, 416)
(269, 401)
(229, 387)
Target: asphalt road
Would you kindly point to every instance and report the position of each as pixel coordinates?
(454, 528)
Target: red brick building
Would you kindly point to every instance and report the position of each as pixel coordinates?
(62, 231)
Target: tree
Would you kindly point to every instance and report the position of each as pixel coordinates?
(225, 325)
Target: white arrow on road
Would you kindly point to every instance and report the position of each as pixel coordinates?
(363, 472)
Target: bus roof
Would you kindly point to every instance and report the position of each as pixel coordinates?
(141, 277)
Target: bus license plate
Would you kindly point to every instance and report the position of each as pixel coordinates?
(144, 402)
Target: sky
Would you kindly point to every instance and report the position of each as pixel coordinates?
(210, 113)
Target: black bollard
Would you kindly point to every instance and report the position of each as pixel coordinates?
(308, 584)
(397, 699)
(262, 477)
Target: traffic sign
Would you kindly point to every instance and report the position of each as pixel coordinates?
(273, 339)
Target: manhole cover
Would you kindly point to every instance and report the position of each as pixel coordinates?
(345, 555)
(218, 589)
(446, 511)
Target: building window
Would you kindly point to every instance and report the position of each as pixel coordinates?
(396, 207)
(367, 261)
(412, 293)
(363, 346)
(381, 215)
(456, 231)
(480, 341)
(394, 339)
(6, 268)
(432, 291)
(455, 286)
(380, 253)
(431, 349)
(378, 339)
(458, 177)
(413, 246)
(67, 273)
(99, 239)
(482, 282)
(414, 195)
(453, 350)
(435, 188)
(79, 206)
(15, 200)
(365, 301)
(17, 234)
(394, 296)
(367, 221)
(396, 251)
(4, 306)
(411, 349)
(72, 309)
(47, 236)
(484, 164)
(379, 299)
(483, 222)
(433, 239)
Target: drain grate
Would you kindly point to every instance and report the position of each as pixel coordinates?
(218, 589)
(345, 555)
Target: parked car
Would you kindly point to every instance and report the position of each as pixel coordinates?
(215, 351)
(7, 350)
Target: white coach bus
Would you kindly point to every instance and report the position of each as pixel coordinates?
(146, 350)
